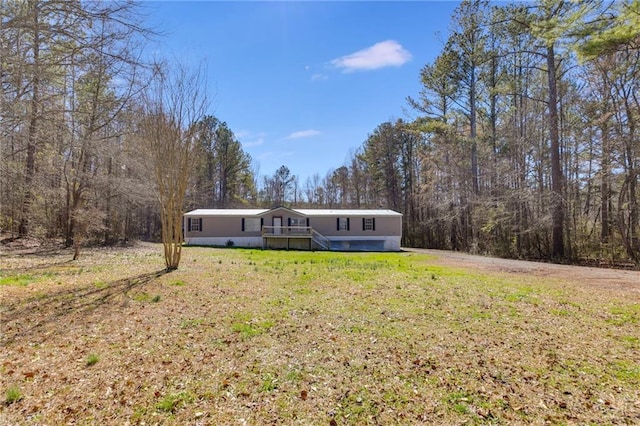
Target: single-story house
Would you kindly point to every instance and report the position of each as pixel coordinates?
(300, 229)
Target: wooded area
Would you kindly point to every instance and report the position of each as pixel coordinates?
(524, 141)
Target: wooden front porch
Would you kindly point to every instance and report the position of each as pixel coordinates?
(293, 238)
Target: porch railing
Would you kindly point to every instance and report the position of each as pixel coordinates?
(321, 241)
(287, 231)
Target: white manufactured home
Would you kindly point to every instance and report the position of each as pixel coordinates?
(299, 229)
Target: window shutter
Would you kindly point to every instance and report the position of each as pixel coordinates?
(200, 219)
(307, 222)
(288, 221)
(373, 224)
(363, 220)
(189, 224)
(348, 224)
(243, 224)
(261, 223)
(337, 223)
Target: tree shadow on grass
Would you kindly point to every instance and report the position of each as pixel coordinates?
(31, 315)
(41, 268)
(25, 246)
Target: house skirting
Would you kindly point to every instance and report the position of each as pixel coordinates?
(355, 243)
(224, 241)
(340, 243)
(287, 243)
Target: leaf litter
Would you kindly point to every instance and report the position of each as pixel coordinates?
(256, 337)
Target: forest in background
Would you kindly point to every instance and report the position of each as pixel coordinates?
(524, 141)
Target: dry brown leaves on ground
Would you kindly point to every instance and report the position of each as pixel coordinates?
(261, 337)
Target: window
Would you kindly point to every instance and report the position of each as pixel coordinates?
(343, 223)
(368, 223)
(194, 224)
(251, 224)
(298, 221)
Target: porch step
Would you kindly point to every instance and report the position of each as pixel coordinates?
(322, 242)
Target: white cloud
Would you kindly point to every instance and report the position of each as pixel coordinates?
(303, 134)
(387, 53)
(250, 139)
(256, 142)
(319, 77)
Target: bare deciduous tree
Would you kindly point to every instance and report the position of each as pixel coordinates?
(175, 103)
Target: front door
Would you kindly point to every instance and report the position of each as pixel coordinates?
(277, 225)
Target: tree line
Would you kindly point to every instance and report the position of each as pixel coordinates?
(94, 136)
(523, 141)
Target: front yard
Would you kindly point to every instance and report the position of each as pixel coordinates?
(272, 337)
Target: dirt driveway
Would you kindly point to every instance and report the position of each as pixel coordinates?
(598, 279)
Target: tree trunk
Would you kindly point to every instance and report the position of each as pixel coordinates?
(32, 138)
(557, 201)
(605, 205)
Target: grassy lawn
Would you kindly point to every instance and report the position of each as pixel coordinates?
(271, 337)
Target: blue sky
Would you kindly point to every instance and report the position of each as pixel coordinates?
(302, 84)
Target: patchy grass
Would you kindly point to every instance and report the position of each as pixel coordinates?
(246, 326)
(146, 297)
(19, 280)
(281, 337)
(622, 315)
(12, 395)
(23, 280)
(172, 402)
(92, 359)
